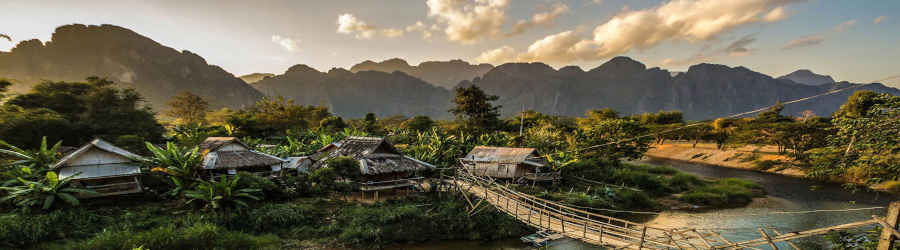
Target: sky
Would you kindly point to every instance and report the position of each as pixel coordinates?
(849, 40)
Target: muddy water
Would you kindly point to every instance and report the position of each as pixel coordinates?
(785, 194)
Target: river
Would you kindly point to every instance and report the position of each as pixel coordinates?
(785, 194)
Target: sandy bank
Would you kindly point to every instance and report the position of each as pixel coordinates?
(741, 158)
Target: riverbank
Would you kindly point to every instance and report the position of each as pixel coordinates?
(748, 158)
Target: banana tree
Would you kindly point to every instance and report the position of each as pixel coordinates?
(30, 194)
(220, 194)
(180, 163)
(31, 166)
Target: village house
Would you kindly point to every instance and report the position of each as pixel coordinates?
(381, 164)
(228, 155)
(509, 163)
(101, 167)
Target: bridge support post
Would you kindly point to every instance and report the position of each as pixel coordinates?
(886, 241)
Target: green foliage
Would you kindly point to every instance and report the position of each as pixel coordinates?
(269, 189)
(180, 163)
(345, 168)
(21, 230)
(594, 116)
(27, 165)
(197, 236)
(271, 117)
(611, 140)
(333, 124)
(43, 194)
(224, 193)
(474, 110)
(724, 193)
(419, 123)
(663, 117)
(188, 108)
(77, 112)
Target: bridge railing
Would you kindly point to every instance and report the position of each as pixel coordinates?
(572, 222)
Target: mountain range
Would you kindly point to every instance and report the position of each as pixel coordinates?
(394, 87)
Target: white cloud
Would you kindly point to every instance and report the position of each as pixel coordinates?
(419, 26)
(287, 43)
(496, 56)
(879, 19)
(392, 32)
(810, 40)
(544, 18)
(675, 20)
(348, 24)
(596, 1)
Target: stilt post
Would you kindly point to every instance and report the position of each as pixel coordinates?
(886, 241)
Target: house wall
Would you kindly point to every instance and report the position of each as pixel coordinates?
(96, 156)
(232, 146)
(500, 170)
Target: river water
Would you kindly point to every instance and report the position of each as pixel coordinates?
(785, 194)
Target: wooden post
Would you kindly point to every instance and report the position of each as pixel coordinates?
(376, 195)
(764, 235)
(363, 194)
(643, 235)
(886, 241)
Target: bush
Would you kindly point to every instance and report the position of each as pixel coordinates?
(24, 229)
(683, 181)
(765, 165)
(631, 199)
(157, 181)
(197, 236)
(270, 190)
(724, 193)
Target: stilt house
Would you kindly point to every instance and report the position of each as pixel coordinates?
(228, 155)
(510, 163)
(382, 165)
(101, 167)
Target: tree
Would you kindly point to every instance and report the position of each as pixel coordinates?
(474, 110)
(370, 125)
(32, 194)
(179, 163)
(348, 174)
(77, 112)
(333, 124)
(419, 123)
(188, 108)
(594, 116)
(611, 140)
(275, 116)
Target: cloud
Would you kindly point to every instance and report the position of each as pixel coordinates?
(419, 26)
(348, 24)
(496, 56)
(287, 43)
(810, 40)
(471, 21)
(467, 22)
(676, 20)
(544, 18)
(739, 46)
(596, 1)
(879, 19)
(668, 61)
(392, 32)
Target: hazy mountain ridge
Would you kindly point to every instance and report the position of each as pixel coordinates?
(805, 76)
(131, 60)
(355, 94)
(255, 77)
(438, 73)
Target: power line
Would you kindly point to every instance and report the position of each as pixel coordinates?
(731, 116)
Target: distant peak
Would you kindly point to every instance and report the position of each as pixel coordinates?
(396, 61)
(621, 63)
(805, 76)
(300, 69)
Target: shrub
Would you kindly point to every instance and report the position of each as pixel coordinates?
(197, 236)
(631, 199)
(683, 181)
(24, 230)
(270, 190)
(724, 193)
(764, 165)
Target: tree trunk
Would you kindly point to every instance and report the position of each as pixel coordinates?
(850, 146)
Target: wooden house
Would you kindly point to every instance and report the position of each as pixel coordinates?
(101, 167)
(382, 165)
(509, 163)
(300, 164)
(228, 155)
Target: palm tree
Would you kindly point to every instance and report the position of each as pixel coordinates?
(29, 194)
(221, 193)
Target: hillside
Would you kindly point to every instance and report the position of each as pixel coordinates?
(255, 77)
(353, 95)
(444, 74)
(807, 77)
(131, 60)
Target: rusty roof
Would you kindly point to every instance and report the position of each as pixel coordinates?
(376, 156)
(238, 159)
(501, 154)
(214, 143)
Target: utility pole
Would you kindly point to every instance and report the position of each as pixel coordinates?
(522, 120)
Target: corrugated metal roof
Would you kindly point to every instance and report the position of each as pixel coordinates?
(376, 156)
(96, 143)
(238, 159)
(100, 171)
(214, 143)
(500, 154)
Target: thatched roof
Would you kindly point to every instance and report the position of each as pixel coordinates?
(238, 159)
(375, 155)
(214, 143)
(505, 155)
(98, 144)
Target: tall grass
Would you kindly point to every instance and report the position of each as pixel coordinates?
(197, 236)
(724, 193)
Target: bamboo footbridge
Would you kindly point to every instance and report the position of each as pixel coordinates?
(622, 234)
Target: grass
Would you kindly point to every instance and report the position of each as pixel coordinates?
(197, 236)
(724, 193)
